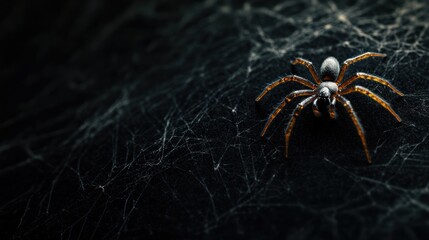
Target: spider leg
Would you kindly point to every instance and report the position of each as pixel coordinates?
(373, 96)
(290, 78)
(309, 66)
(292, 121)
(369, 77)
(350, 61)
(287, 100)
(355, 119)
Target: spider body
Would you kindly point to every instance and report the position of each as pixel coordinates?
(328, 91)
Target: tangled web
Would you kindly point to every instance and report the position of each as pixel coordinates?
(129, 139)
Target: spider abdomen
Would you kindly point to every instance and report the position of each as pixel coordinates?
(330, 69)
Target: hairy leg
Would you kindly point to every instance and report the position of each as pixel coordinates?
(287, 100)
(355, 119)
(309, 66)
(291, 78)
(292, 121)
(369, 77)
(350, 61)
(374, 97)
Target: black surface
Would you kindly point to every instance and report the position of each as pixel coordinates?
(136, 119)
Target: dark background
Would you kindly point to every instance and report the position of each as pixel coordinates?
(136, 119)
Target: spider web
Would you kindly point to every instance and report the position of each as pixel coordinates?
(142, 122)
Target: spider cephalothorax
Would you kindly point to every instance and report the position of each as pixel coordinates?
(328, 91)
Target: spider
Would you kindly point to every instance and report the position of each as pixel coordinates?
(328, 90)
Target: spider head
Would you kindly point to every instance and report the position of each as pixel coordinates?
(324, 94)
(330, 69)
(326, 91)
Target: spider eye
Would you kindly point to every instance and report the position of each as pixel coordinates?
(324, 92)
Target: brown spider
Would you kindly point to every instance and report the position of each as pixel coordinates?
(327, 91)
